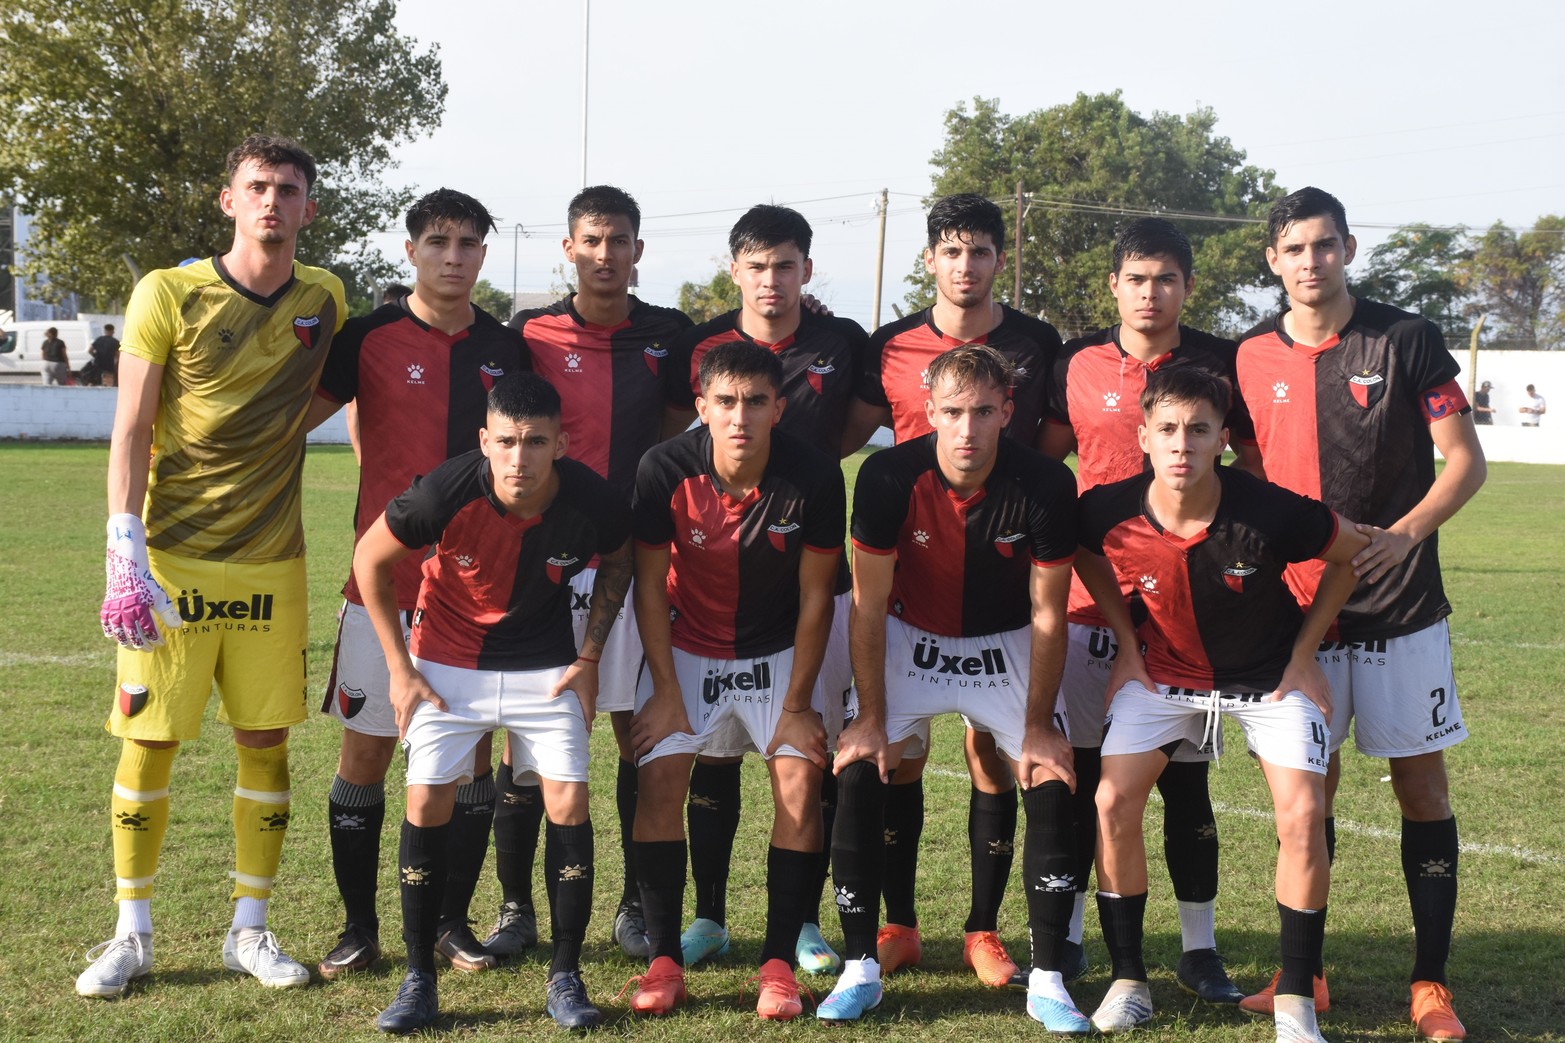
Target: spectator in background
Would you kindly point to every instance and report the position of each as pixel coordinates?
(58, 369)
(1534, 409)
(394, 293)
(1483, 413)
(105, 353)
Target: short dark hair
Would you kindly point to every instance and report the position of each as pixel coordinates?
(1153, 237)
(108, 327)
(739, 359)
(1186, 382)
(602, 201)
(51, 332)
(766, 227)
(524, 396)
(395, 292)
(1301, 206)
(972, 365)
(448, 206)
(271, 151)
(966, 214)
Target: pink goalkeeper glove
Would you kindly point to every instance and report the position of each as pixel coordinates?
(134, 602)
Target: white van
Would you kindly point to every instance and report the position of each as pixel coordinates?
(21, 351)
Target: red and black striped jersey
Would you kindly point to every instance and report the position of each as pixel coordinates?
(1096, 392)
(497, 588)
(733, 581)
(1347, 422)
(962, 563)
(613, 380)
(1219, 613)
(820, 359)
(895, 373)
(422, 396)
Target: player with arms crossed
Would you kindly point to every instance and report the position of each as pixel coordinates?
(1350, 399)
(1093, 409)
(220, 361)
(606, 352)
(963, 544)
(1207, 547)
(418, 370)
(738, 529)
(966, 250)
(512, 523)
(820, 355)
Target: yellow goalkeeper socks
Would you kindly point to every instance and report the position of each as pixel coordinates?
(138, 813)
(260, 819)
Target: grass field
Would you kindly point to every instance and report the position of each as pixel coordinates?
(1505, 573)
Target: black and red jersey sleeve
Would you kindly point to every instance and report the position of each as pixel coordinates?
(825, 522)
(870, 384)
(1303, 527)
(1103, 507)
(340, 375)
(652, 516)
(880, 502)
(418, 515)
(1051, 510)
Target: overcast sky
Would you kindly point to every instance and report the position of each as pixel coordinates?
(1438, 112)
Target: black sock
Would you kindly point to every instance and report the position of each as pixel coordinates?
(858, 854)
(1331, 841)
(567, 860)
(991, 840)
(472, 820)
(1084, 803)
(1429, 851)
(1303, 936)
(1189, 831)
(789, 876)
(904, 818)
(1122, 920)
(517, 815)
(660, 866)
(421, 862)
(625, 804)
(356, 815)
(712, 811)
(1048, 870)
(822, 871)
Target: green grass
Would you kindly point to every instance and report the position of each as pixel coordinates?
(1505, 574)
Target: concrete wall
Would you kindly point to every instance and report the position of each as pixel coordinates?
(87, 414)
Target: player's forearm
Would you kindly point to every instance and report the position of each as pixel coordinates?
(1097, 575)
(867, 650)
(1463, 475)
(609, 589)
(656, 636)
(810, 635)
(378, 589)
(1336, 586)
(1047, 652)
(130, 445)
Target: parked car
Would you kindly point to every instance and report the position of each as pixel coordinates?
(21, 351)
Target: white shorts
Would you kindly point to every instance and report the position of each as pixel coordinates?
(982, 678)
(548, 735)
(1290, 733)
(733, 705)
(621, 662)
(357, 693)
(1401, 691)
(1089, 656)
(833, 695)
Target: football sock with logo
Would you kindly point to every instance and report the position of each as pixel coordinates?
(260, 818)
(904, 826)
(138, 815)
(355, 815)
(1089, 768)
(1303, 937)
(472, 820)
(1048, 870)
(712, 811)
(1189, 833)
(625, 804)
(421, 865)
(660, 868)
(1429, 852)
(1122, 917)
(858, 854)
(517, 815)
(822, 871)
(790, 876)
(567, 861)
(991, 841)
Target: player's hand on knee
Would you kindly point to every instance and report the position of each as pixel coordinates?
(134, 602)
(1046, 756)
(662, 716)
(1128, 666)
(408, 689)
(804, 732)
(580, 679)
(864, 741)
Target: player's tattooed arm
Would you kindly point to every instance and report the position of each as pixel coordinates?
(608, 597)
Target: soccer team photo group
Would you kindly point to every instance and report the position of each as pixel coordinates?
(605, 557)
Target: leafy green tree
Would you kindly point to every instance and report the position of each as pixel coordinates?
(1089, 165)
(492, 299)
(1518, 280)
(120, 113)
(1420, 268)
(703, 301)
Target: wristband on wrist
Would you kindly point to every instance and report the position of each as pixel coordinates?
(805, 710)
(587, 658)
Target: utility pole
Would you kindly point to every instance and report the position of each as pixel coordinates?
(1472, 357)
(586, 29)
(516, 236)
(880, 256)
(1016, 257)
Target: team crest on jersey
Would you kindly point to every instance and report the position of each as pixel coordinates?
(1234, 575)
(489, 374)
(1005, 543)
(132, 699)
(654, 355)
(308, 329)
(816, 375)
(778, 534)
(556, 567)
(1367, 388)
(349, 701)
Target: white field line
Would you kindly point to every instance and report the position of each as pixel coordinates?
(1521, 854)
